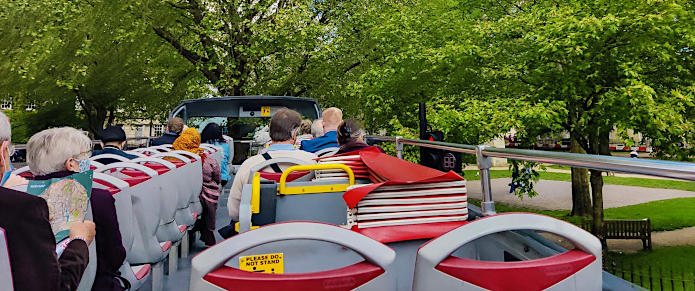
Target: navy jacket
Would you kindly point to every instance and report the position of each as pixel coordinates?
(328, 140)
(167, 138)
(109, 149)
(110, 250)
(32, 245)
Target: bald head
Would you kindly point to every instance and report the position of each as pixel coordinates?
(332, 117)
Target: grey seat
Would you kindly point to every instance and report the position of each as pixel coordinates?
(297, 241)
(5, 267)
(578, 269)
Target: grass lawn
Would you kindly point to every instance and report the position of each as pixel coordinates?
(625, 181)
(667, 214)
(677, 263)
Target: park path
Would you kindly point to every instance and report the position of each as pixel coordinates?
(557, 195)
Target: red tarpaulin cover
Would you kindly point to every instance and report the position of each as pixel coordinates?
(396, 171)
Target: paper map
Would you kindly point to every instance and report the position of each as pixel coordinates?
(67, 200)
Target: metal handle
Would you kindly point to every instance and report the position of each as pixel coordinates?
(109, 156)
(187, 154)
(134, 166)
(162, 162)
(267, 163)
(118, 183)
(172, 155)
(284, 190)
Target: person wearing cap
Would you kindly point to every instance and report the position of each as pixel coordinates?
(112, 142)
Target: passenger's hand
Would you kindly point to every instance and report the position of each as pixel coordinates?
(85, 230)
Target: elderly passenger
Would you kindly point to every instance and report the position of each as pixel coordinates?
(284, 126)
(9, 180)
(31, 243)
(112, 142)
(351, 137)
(304, 132)
(190, 141)
(317, 128)
(60, 152)
(331, 119)
(174, 128)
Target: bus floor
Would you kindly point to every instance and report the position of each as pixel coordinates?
(181, 279)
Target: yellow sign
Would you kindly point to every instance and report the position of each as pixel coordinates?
(265, 111)
(263, 263)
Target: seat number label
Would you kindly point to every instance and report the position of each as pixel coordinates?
(265, 111)
(263, 263)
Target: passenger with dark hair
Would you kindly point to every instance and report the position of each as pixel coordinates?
(212, 134)
(112, 142)
(174, 129)
(284, 126)
(351, 137)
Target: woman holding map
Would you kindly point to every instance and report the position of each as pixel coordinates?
(190, 141)
(61, 152)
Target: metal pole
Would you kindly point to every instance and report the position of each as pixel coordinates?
(399, 147)
(484, 164)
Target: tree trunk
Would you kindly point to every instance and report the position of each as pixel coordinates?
(96, 114)
(599, 145)
(581, 199)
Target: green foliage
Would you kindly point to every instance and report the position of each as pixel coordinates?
(524, 175)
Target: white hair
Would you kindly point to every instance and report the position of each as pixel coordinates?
(317, 128)
(5, 128)
(48, 150)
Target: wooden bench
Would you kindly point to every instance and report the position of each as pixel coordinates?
(625, 229)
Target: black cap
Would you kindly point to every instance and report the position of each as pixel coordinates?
(112, 133)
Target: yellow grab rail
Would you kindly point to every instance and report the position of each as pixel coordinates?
(284, 190)
(256, 193)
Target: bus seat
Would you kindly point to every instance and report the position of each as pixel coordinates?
(90, 272)
(145, 201)
(327, 152)
(216, 152)
(139, 154)
(319, 201)
(577, 269)
(5, 267)
(173, 175)
(161, 148)
(357, 262)
(190, 179)
(124, 206)
(24, 172)
(304, 175)
(109, 156)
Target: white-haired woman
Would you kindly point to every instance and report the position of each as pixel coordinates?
(60, 152)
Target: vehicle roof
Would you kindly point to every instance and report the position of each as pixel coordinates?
(228, 106)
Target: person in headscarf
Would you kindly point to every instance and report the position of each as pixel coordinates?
(212, 134)
(189, 141)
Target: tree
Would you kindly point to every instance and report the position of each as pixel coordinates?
(89, 53)
(625, 65)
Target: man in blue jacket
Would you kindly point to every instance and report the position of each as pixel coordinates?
(332, 117)
(112, 141)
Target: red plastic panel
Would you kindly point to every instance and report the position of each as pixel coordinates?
(532, 275)
(111, 189)
(276, 176)
(27, 175)
(132, 181)
(166, 246)
(346, 278)
(177, 163)
(183, 227)
(161, 169)
(143, 271)
(387, 234)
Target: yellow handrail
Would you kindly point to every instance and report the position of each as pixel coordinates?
(284, 190)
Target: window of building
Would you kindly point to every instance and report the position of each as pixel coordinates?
(6, 104)
(158, 129)
(31, 106)
(139, 130)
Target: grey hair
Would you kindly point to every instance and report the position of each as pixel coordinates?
(316, 128)
(48, 150)
(5, 128)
